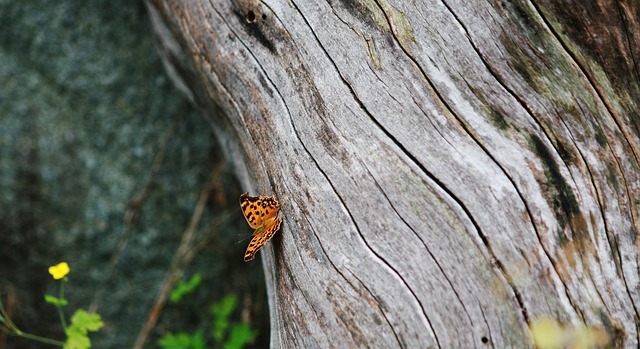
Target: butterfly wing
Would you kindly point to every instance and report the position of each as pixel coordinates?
(261, 237)
(258, 209)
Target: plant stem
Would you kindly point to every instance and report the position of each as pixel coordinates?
(59, 307)
(34, 337)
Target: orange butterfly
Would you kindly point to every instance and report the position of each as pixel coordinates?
(261, 213)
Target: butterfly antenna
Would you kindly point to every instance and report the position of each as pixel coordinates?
(243, 239)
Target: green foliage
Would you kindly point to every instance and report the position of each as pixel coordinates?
(240, 334)
(86, 321)
(183, 340)
(81, 324)
(224, 333)
(184, 288)
(76, 340)
(221, 313)
(77, 332)
(55, 300)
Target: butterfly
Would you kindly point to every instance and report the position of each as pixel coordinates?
(261, 212)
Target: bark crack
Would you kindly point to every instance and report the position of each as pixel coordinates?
(382, 259)
(529, 111)
(400, 343)
(215, 74)
(306, 298)
(345, 206)
(484, 239)
(305, 148)
(499, 264)
(627, 34)
(538, 123)
(446, 277)
(613, 246)
(609, 109)
(601, 97)
(349, 282)
(488, 338)
(297, 134)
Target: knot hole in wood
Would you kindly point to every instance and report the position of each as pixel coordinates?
(251, 17)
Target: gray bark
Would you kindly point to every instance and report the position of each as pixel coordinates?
(448, 171)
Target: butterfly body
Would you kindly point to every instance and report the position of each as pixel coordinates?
(261, 212)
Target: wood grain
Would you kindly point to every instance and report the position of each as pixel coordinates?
(448, 171)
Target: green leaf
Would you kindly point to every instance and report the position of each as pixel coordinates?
(225, 307)
(55, 300)
(85, 322)
(76, 339)
(81, 323)
(184, 288)
(175, 341)
(240, 335)
(182, 340)
(221, 312)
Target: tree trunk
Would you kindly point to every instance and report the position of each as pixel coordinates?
(449, 172)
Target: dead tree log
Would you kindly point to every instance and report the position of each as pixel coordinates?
(448, 171)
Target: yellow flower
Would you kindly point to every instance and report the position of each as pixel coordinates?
(548, 333)
(59, 271)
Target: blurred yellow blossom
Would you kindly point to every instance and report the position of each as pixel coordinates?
(59, 271)
(550, 334)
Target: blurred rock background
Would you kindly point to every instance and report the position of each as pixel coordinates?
(102, 165)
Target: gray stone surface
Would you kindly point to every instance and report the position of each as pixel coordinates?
(85, 107)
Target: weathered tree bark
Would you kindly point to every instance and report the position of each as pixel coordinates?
(449, 171)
